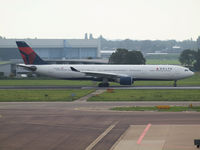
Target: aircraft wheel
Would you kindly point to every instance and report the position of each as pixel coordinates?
(100, 85)
(106, 84)
(175, 84)
(103, 85)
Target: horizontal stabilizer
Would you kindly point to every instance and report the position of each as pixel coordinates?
(30, 68)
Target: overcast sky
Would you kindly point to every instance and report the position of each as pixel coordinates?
(114, 19)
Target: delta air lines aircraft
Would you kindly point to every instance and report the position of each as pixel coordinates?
(123, 74)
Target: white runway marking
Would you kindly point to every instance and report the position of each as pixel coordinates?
(101, 136)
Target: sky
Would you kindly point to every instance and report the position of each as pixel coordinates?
(114, 19)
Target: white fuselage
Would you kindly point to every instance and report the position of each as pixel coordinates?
(137, 72)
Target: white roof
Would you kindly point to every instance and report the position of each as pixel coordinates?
(107, 52)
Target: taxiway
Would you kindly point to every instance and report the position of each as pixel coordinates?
(90, 126)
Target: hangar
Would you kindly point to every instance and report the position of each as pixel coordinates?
(53, 48)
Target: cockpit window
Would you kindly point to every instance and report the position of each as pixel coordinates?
(186, 70)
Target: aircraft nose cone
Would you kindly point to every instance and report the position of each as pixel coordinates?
(191, 73)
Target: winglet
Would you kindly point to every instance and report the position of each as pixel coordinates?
(73, 69)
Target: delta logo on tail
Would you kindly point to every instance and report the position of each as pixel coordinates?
(28, 55)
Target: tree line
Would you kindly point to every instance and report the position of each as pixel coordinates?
(191, 59)
(150, 46)
(188, 58)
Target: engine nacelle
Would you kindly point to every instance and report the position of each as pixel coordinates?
(125, 81)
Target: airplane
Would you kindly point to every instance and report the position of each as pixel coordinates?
(122, 74)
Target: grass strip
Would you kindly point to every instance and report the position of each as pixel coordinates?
(162, 62)
(171, 109)
(148, 95)
(41, 95)
(35, 82)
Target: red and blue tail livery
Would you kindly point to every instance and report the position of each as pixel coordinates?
(28, 54)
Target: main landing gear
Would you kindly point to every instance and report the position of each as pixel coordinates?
(104, 83)
(175, 84)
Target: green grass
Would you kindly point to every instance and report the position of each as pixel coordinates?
(162, 62)
(169, 56)
(171, 109)
(148, 95)
(41, 95)
(35, 82)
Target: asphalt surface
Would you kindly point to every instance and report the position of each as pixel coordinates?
(95, 87)
(74, 125)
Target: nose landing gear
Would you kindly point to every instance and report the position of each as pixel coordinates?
(175, 84)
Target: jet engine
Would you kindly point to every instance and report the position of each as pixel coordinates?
(125, 80)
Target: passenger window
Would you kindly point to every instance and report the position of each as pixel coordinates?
(186, 69)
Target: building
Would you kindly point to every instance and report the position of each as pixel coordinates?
(51, 49)
(106, 54)
(5, 69)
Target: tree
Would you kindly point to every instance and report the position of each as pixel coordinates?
(197, 63)
(118, 57)
(198, 42)
(135, 57)
(123, 56)
(187, 57)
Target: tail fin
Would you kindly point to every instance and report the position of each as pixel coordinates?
(28, 54)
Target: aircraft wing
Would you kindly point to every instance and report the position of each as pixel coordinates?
(100, 74)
